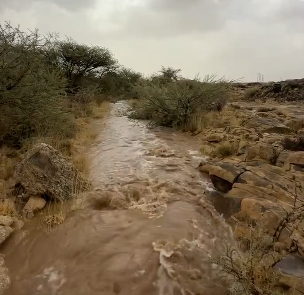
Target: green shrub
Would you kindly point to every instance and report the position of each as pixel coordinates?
(31, 92)
(251, 93)
(175, 103)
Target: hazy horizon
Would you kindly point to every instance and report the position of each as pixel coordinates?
(230, 38)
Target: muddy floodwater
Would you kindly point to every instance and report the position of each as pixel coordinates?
(159, 243)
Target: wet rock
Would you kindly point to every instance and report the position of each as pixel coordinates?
(250, 178)
(221, 184)
(301, 133)
(33, 205)
(222, 175)
(5, 232)
(268, 125)
(44, 171)
(282, 158)
(269, 176)
(291, 270)
(215, 137)
(6, 220)
(225, 205)
(264, 109)
(262, 151)
(251, 191)
(294, 159)
(263, 211)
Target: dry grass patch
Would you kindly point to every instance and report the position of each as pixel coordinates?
(220, 150)
(7, 208)
(88, 133)
(227, 117)
(101, 110)
(295, 124)
(53, 214)
(74, 149)
(225, 149)
(8, 160)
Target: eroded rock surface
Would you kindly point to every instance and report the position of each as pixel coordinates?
(262, 180)
(44, 171)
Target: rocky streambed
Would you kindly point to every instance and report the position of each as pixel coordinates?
(155, 209)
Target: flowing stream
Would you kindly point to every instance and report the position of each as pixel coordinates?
(158, 242)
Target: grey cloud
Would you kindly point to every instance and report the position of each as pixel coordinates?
(175, 17)
(290, 10)
(66, 4)
(233, 38)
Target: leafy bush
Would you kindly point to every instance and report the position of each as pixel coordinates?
(120, 82)
(31, 92)
(175, 103)
(247, 266)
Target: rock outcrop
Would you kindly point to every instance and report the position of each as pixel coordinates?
(45, 172)
(289, 90)
(261, 180)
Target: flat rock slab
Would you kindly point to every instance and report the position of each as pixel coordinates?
(292, 265)
(268, 125)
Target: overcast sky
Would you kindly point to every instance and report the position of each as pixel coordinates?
(232, 38)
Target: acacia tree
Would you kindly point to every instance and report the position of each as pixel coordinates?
(119, 81)
(79, 60)
(170, 74)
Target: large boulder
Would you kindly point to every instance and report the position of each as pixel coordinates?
(227, 206)
(222, 175)
(291, 269)
(45, 172)
(282, 158)
(262, 151)
(262, 211)
(295, 161)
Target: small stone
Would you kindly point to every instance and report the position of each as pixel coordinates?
(6, 220)
(279, 247)
(34, 204)
(215, 137)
